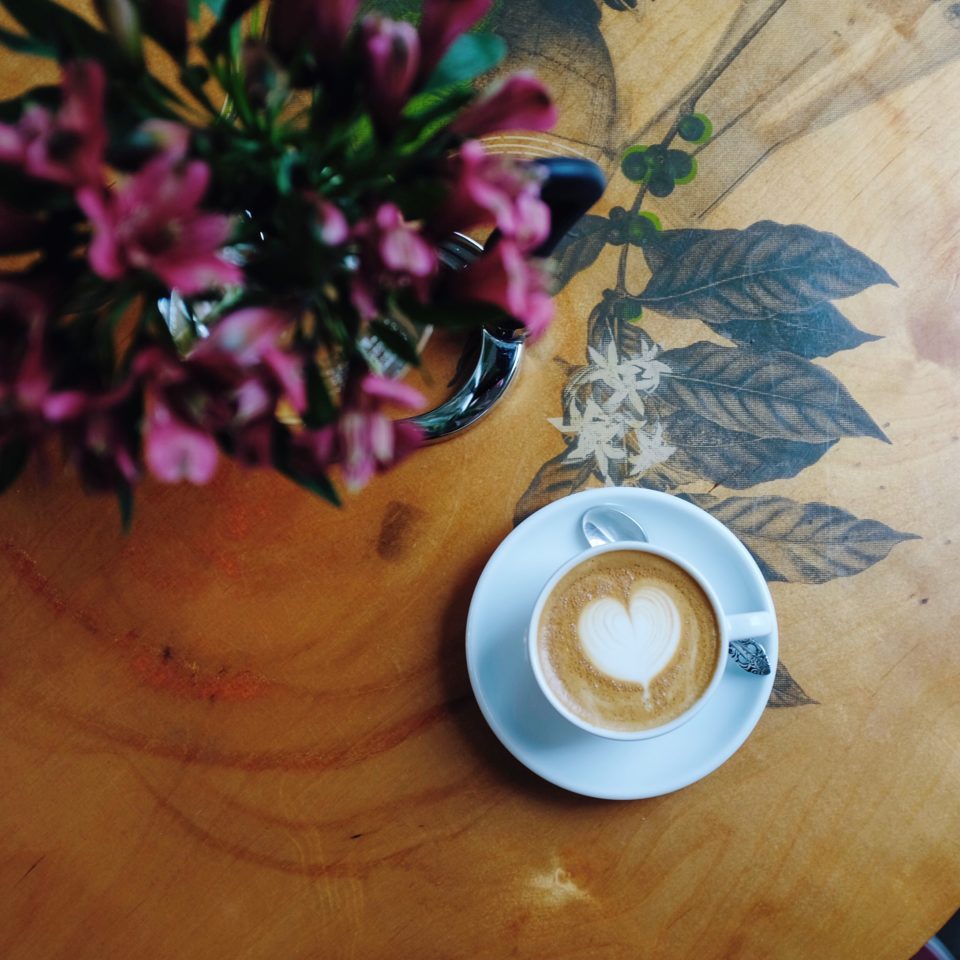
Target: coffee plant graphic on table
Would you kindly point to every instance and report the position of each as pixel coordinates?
(736, 414)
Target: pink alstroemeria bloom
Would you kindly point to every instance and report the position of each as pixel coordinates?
(152, 222)
(26, 374)
(168, 137)
(364, 440)
(331, 225)
(402, 249)
(246, 339)
(521, 102)
(503, 276)
(391, 58)
(495, 189)
(100, 432)
(393, 254)
(175, 450)
(442, 22)
(319, 25)
(67, 146)
(333, 21)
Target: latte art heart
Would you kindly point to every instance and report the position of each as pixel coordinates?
(634, 644)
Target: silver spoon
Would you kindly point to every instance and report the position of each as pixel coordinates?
(605, 524)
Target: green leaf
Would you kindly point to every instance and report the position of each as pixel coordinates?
(125, 503)
(122, 20)
(13, 458)
(471, 55)
(193, 9)
(21, 43)
(193, 79)
(319, 485)
(320, 408)
(316, 482)
(70, 35)
(228, 12)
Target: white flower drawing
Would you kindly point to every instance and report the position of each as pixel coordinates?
(598, 435)
(653, 450)
(616, 412)
(626, 379)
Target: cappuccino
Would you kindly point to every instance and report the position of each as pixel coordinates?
(628, 641)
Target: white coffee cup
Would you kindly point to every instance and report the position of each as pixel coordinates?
(737, 626)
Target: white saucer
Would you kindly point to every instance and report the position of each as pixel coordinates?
(518, 712)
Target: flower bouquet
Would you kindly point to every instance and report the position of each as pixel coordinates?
(287, 177)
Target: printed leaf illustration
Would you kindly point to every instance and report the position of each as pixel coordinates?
(773, 395)
(556, 478)
(736, 460)
(802, 542)
(818, 332)
(605, 325)
(769, 268)
(580, 247)
(786, 691)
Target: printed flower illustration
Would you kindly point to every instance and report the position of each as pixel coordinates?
(624, 380)
(652, 450)
(598, 435)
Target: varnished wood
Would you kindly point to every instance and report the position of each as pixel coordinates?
(245, 730)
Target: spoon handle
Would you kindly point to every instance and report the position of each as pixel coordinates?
(750, 656)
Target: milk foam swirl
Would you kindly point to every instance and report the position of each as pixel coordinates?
(634, 644)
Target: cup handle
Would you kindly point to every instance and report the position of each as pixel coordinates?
(747, 626)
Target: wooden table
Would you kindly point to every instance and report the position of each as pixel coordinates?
(245, 730)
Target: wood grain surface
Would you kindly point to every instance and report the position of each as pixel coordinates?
(245, 730)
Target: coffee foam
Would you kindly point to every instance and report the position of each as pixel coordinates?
(634, 642)
(628, 641)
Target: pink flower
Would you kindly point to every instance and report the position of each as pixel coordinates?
(393, 254)
(366, 439)
(442, 22)
(152, 222)
(504, 277)
(319, 25)
(175, 450)
(392, 55)
(401, 248)
(226, 390)
(331, 224)
(333, 21)
(247, 339)
(168, 137)
(520, 102)
(244, 336)
(66, 147)
(495, 189)
(25, 372)
(100, 433)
